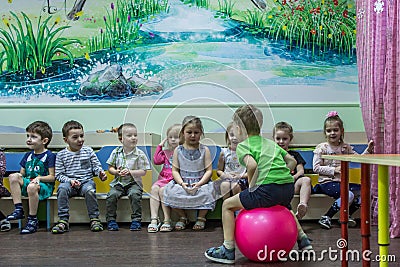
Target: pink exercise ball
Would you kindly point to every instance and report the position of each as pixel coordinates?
(265, 234)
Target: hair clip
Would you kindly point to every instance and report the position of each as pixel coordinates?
(332, 114)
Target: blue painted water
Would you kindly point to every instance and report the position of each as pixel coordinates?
(191, 53)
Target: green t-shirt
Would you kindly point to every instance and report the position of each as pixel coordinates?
(269, 157)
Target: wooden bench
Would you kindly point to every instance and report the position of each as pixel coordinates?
(105, 142)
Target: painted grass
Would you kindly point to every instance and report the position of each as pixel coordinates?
(29, 48)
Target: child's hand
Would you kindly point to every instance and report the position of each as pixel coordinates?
(192, 190)
(235, 175)
(75, 183)
(35, 181)
(103, 176)
(338, 169)
(124, 172)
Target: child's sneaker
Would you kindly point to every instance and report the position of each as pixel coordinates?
(351, 223)
(221, 254)
(112, 226)
(304, 243)
(16, 215)
(5, 225)
(325, 222)
(31, 227)
(135, 226)
(95, 225)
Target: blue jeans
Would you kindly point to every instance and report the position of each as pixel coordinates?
(134, 193)
(87, 189)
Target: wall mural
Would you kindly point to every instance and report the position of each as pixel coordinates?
(141, 50)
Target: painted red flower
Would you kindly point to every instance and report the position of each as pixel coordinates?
(313, 31)
(315, 10)
(345, 14)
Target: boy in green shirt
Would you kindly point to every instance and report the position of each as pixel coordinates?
(270, 182)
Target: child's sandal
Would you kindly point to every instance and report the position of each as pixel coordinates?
(301, 210)
(200, 224)
(5, 226)
(166, 227)
(95, 225)
(181, 224)
(154, 225)
(60, 227)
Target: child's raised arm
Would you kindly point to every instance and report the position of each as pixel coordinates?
(370, 147)
(159, 155)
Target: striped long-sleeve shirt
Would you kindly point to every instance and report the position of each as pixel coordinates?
(81, 165)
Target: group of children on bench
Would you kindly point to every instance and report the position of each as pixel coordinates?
(248, 162)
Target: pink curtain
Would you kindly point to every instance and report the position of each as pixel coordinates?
(378, 56)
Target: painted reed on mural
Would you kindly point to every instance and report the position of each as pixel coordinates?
(29, 48)
(122, 22)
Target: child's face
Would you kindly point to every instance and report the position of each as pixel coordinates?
(129, 137)
(333, 132)
(35, 142)
(173, 138)
(192, 134)
(75, 139)
(239, 132)
(232, 138)
(282, 138)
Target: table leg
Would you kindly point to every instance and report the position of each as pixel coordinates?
(365, 211)
(344, 208)
(383, 214)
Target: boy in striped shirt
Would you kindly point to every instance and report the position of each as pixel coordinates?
(75, 166)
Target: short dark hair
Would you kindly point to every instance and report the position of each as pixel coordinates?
(69, 125)
(250, 117)
(41, 128)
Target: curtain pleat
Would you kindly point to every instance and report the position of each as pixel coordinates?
(378, 59)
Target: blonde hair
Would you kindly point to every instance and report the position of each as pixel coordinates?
(173, 127)
(122, 126)
(250, 117)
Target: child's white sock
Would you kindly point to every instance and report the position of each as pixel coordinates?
(229, 244)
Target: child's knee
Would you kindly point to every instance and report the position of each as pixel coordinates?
(32, 189)
(91, 192)
(15, 178)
